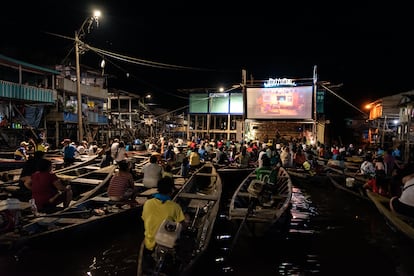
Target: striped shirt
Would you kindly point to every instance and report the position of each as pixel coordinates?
(119, 184)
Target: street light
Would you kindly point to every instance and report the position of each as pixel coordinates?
(78, 35)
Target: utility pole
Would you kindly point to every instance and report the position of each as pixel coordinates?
(78, 88)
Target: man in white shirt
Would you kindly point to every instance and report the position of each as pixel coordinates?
(405, 203)
(152, 173)
(114, 148)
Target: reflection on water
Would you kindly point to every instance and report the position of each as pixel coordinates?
(326, 232)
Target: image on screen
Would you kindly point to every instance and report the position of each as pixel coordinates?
(279, 103)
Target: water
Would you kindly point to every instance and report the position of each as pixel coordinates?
(326, 232)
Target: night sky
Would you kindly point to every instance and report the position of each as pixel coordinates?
(366, 49)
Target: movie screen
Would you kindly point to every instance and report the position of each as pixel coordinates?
(279, 103)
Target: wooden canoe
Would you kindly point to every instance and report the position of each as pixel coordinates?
(260, 202)
(200, 199)
(400, 223)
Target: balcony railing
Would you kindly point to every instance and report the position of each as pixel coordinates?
(86, 90)
(17, 91)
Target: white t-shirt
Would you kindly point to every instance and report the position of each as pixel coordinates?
(152, 173)
(407, 195)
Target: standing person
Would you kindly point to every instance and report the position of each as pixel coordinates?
(152, 173)
(121, 153)
(158, 208)
(47, 189)
(114, 148)
(69, 152)
(21, 151)
(121, 186)
(25, 180)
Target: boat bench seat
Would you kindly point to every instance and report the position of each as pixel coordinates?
(89, 181)
(198, 196)
(206, 174)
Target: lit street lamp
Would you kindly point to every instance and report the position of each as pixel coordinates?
(78, 35)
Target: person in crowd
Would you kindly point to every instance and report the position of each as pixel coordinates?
(167, 172)
(194, 159)
(264, 170)
(222, 157)
(83, 147)
(261, 154)
(404, 204)
(152, 172)
(69, 152)
(114, 148)
(25, 180)
(158, 208)
(48, 190)
(285, 157)
(106, 156)
(299, 158)
(185, 167)
(121, 153)
(367, 167)
(21, 152)
(38, 144)
(121, 186)
(169, 155)
(242, 159)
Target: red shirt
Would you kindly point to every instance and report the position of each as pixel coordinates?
(43, 188)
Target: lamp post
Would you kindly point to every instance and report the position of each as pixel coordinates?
(78, 35)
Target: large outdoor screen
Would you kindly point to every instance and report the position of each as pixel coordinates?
(219, 103)
(279, 103)
(236, 103)
(198, 103)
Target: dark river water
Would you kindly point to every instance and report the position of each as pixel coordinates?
(326, 232)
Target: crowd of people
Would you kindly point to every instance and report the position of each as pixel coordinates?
(384, 171)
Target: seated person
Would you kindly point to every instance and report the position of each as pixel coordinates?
(367, 167)
(194, 158)
(185, 167)
(167, 171)
(152, 172)
(265, 170)
(157, 209)
(404, 204)
(121, 186)
(25, 180)
(21, 152)
(47, 189)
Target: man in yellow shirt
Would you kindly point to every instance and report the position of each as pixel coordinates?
(157, 209)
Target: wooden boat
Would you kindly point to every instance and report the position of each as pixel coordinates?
(260, 204)
(13, 175)
(81, 218)
(400, 223)
(28, 226)
(200, 199)
(352, 185)
(11, 164)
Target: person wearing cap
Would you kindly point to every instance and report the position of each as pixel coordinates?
(21, 152)
(69, 152)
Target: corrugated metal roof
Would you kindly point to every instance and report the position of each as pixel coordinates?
(14, 63)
